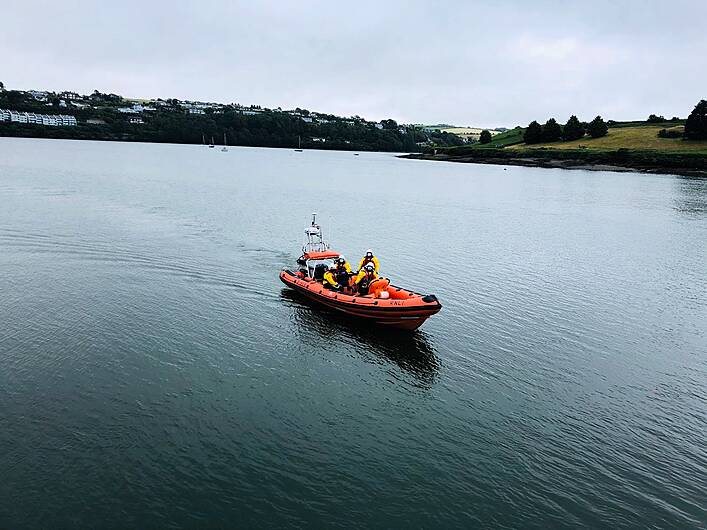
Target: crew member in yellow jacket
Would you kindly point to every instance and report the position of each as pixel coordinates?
(329, 280)
(342, 266)
(369, 258)
(365, 276)
(342, 272)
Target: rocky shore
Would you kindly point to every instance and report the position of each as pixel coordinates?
(621, 160)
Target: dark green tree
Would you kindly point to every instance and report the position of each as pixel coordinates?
(696, 124)
(2, 86)
(14, 98)
(597, 128)
(655, 119)
(670, 133)
(389, 125)
(445, 139)
(485, 137)
(573, 129)
(552, 131)
(533, 133)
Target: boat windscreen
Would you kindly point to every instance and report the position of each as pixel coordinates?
(318, 264)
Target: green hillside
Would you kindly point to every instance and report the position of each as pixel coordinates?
(504, 139)
(636, 136)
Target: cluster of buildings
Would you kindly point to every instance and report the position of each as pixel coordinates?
(39, 95)
(43, 95)
(200, 107)
(65, 98)
(136, 108)
(54, 120)
(197, 107)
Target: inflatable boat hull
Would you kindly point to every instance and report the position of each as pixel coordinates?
(402, 310)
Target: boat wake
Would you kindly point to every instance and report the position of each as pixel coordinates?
(207, 273)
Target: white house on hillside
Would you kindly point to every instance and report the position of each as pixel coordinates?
(39, 95)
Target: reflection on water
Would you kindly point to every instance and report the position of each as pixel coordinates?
(691, 196)
(413, 352)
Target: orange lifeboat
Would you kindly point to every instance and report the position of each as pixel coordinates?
(385, 304)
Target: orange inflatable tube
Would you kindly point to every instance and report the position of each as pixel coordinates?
(378, 286)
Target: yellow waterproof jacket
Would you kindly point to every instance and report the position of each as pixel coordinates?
(374, 260)
(346, 266)
(362, 275)
(330, 280)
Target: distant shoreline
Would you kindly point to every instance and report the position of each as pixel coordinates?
(82, 133)
(621, 161)
(141, 142)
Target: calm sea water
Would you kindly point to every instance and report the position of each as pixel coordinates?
(155, 373)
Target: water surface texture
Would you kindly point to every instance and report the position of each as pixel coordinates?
(155, 373)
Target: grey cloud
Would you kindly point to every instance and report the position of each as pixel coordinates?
(479, 63)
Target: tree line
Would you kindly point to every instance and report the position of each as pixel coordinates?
(551, 131)
(574, 129)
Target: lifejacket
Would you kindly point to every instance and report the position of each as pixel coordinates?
(329, 280)
(346, 266)
(366, 259)
(364, 279)
(342, 273)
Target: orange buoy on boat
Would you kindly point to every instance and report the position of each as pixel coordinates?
(384, 304)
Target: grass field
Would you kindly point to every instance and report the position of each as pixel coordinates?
(512, 137)
(643, 137)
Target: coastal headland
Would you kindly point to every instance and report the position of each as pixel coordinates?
(652, 146)
(688, 164)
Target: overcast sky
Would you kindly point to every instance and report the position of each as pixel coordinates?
(466, 63)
